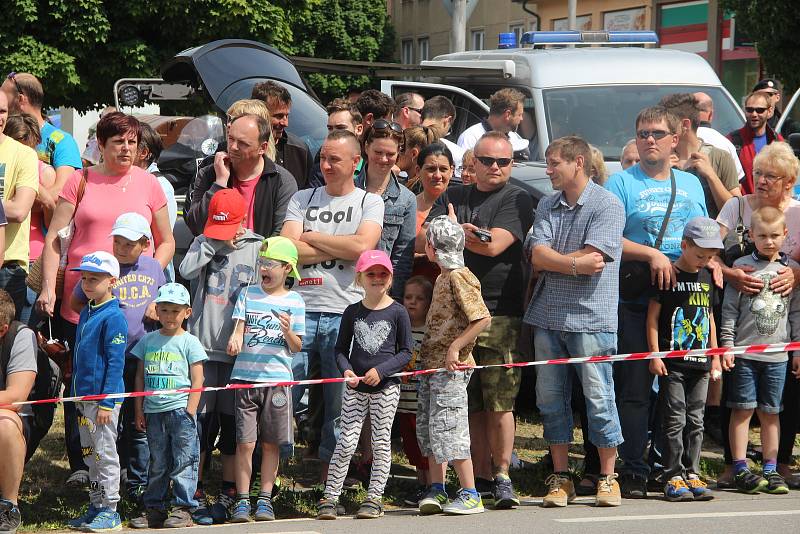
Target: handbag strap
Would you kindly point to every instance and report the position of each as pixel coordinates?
(662, 231)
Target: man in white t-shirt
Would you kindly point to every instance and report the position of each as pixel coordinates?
(710, 135)
(505, 115)
(440, 112)
(330, 226)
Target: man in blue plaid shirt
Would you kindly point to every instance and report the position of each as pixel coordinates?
(576, 245)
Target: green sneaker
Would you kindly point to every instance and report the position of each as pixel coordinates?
(465, 504)
(776, 485)
(748, 482)
(433, 502)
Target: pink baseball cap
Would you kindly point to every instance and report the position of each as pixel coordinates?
(370, 258)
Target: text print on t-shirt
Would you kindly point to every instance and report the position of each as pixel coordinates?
(653, 203)
(162, 368)
(220, 289)
(263, 330)
(133, 289)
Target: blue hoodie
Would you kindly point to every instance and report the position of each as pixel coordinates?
(99, 353)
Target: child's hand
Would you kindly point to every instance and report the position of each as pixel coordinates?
(235, 344)
(150, 312)
(141, 423)
(284, 319)
(372, 378)
(657, 367)
(103, 417)
(451, 362)
(727, 362)
(353, 378)
(716, 370)
(796, 367)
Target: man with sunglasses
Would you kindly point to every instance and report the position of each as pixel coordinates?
(645, 190)
(57, 148)
(496, 217)
(754, 135)
(506, 112)
(409, 109)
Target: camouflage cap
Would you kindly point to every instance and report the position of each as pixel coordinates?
(447, 239)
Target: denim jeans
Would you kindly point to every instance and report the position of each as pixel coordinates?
(134, 453)
(633, 383)
(319, 343)
(12, 279)
(174, 456)
(29, 315)
(554, 386)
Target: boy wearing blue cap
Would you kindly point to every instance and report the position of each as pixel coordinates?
(170, 358)
(682, 318)
(98, 361)
(140, 276)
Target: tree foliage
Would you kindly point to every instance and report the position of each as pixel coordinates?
(775, 26)
(79, 48)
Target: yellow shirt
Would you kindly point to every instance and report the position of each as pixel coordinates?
(19, 167)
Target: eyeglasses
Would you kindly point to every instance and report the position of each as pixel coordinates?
(383, 124)
(13, 77)
(770, 178)
(268, 263)
(466, 169)
(749, 109)
(488, 162)
(658, 135)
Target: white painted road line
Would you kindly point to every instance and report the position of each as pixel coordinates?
(708, 515)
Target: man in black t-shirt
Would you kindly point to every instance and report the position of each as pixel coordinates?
(495, 216)
(682, 318)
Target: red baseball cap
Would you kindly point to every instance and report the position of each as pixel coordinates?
(225, 211)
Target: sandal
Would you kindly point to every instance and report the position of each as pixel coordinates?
(587, 485)
(326, 509)
(370, 509)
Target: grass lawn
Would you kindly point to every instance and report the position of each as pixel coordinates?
(47, 504)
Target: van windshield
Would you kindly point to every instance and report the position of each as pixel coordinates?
(605, 116)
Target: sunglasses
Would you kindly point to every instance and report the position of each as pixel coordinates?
(383, 124)
(13, 77)
(418, 110)
(749, 109)
(656, 134)
(488, 162)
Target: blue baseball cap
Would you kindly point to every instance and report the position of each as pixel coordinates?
(174, 293)
(131, 226)
(99, 262)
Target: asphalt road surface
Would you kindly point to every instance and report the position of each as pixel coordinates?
(728, 513)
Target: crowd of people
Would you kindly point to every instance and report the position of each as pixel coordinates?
(395, 249)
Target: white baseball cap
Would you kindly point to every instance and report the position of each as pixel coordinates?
(99, 262)
(131, 226)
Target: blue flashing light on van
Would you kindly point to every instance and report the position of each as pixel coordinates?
(507, 40)
(589, 37)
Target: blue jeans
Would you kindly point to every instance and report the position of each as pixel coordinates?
(12, 279)
(29, 315)
(757, 384)
(319, 343)
(554, 386)
(633, 384)
(174, 456)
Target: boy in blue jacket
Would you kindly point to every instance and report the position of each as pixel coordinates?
(98, 361)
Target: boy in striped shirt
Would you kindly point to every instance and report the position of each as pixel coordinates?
(270, 321)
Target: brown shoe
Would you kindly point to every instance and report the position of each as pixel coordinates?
(562, 491)
(608, 493)
(178, 518)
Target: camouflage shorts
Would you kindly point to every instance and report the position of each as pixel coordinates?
(442, 416)
(495, 389)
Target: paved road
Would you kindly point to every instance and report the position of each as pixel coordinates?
(728, 513)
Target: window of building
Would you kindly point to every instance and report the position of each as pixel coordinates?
(518, 30)
(478, 39)
(407, 51)
(423, 48)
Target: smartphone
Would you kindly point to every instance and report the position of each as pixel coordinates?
(484, 235)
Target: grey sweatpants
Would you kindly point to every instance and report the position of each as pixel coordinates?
(682, 403)
(99, 450)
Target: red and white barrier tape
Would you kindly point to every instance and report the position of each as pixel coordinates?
(750, 349)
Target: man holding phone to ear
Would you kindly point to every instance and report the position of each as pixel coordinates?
(495, 216)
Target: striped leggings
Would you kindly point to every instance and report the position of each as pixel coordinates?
(382, 406)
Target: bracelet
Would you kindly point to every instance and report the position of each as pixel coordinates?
(574, 268)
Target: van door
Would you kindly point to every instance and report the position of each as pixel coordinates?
(469, 108)
(789, 122)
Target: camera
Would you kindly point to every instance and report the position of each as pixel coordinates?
(484, 235)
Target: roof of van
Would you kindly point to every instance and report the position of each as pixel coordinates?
(563, 67)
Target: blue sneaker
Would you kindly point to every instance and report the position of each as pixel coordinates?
(241, 511)
(433, 502)
(85, 519)
(202, 514)
(105, 521)
(699, 489)
(221, 510)
(264, 511)
(465, 504)
(676, 490)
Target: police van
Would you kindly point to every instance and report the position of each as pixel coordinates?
(591, 84)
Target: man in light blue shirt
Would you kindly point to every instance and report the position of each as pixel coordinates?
(645, 190)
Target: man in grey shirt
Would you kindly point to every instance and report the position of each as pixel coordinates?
(576, 246)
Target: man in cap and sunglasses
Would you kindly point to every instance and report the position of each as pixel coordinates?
(646, 191)
(754, 135)
(495, 216)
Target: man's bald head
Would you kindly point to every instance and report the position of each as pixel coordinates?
(706, 106)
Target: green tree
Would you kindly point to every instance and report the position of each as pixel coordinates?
(79, 48)
(774, 26)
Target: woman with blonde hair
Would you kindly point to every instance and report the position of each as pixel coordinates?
(598, 173)
(251, 106)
